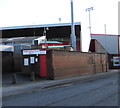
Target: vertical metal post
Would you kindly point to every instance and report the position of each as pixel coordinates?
(44, 33)
(73, 37)
(89, 9)
(89, 23)
(105, 28)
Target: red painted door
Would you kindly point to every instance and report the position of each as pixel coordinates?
(43, 72)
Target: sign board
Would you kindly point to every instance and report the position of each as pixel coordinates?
(116, 61)
(32, 60)
(31, 52)
(26, 62)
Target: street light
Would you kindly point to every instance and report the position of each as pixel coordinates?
(45, 29)
(89, 9)
(44, 33)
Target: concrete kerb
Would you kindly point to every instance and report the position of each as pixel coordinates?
(33, 86)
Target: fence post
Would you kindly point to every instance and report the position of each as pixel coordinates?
(32, 76)
(14, 79)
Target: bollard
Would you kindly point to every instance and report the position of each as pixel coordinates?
(14, 79)
(32, 76)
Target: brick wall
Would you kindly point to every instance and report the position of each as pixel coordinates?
(66, 64)
(17, 62)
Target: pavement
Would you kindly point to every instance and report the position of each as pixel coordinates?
(26, 85)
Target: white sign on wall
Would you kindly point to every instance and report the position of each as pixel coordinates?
(31, 52)
(32, 60)
(26, 62)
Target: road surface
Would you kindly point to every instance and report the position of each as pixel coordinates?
(99, 92)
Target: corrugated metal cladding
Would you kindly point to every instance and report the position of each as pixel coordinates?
(61, 30)
(109, 42)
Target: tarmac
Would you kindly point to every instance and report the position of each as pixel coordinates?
(25, 85)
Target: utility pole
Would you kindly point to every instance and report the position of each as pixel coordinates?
(73, 37)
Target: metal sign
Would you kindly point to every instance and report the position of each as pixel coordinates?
(116, 61)
(31, 52)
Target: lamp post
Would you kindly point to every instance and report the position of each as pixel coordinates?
(73, 37)
(44, 33)
(89, 9)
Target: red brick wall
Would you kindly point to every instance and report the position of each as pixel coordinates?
(66, 64)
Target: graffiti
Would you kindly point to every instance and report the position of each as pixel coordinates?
(90, 60)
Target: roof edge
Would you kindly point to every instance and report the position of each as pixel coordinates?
(39, 25)
(105, 35)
